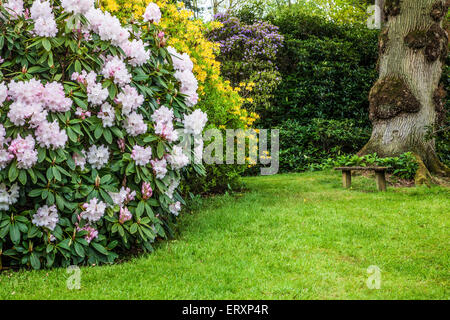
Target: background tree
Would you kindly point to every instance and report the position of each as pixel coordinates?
(407, 99)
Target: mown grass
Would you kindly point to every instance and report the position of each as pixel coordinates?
(296, 236)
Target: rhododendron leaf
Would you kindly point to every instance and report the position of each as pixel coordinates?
(160, 149)
(56, 173)
(35, 262)
(106, 197)
(23, 177)
(49, 248)
(98, 132)
(46, 44)
(105, 179)
(64, 244)
(79, 249)
(32, 232)
(50, 60)
(99, 248)
(77, 66)
(13, 173)
(59, 202)
(150, 138)
(153, 202)
(149, 210)
(14, 233)
(32, 175)
(41, 154)
(50, 199)
(112, 244)
(133, 228)
(117, 132)
(140, 208)
(108, 136)
(49, 173)
(80, 103)
(112, 91)
(72, 136)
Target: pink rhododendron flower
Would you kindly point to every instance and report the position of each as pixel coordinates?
(124, 215)
(159, 168)
(146, 190)
(24, 151)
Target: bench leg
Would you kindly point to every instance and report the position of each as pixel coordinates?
(346, 179)
(381, 181)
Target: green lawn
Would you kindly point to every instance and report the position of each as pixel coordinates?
(296, 236)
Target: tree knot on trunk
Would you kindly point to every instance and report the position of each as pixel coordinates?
(439, 104)
(434, 40)
(391, 8)
(439, 10)
(389, 97)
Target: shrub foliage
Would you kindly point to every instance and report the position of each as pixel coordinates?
(89, 165)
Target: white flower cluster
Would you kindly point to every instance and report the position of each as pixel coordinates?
(195, 122)
(163, 118)
(122, 197)
(116, 69)
(8, 197)
(141, 155)
(107, 115)
(177, 158)
(31, 103)
(159, 168)
(98, 156)
(77, 6)
(109, 28)
(15, 8)
(44, 20)
(152, 13)
(183, 66)
(46, 217)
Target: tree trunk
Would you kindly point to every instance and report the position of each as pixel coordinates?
(380, 4)
(406, 100)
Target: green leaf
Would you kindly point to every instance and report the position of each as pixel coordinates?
(77, 66)
(23, 177)
(46, 44)
(133, 228)
(98, 132)
(56, 173)
(140, 208)
(99, 248)
(108, 136)
(35, 262)
(160, 150)
(79, 249)
(13, 172)
(14, 233)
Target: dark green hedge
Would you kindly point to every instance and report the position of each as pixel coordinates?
(327, 70)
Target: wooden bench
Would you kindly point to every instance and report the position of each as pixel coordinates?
(379, 175)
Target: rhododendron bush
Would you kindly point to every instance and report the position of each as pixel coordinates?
(91, 115)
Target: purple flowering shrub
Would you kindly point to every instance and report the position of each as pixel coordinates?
(248, 55)
(90, 115)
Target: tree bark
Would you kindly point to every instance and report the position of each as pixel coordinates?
(404, 102)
